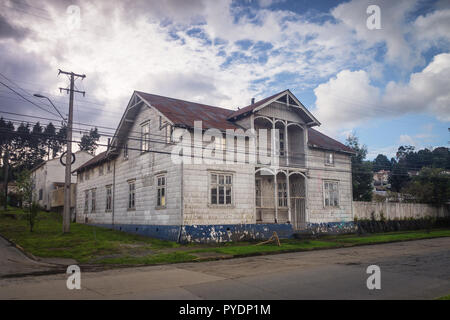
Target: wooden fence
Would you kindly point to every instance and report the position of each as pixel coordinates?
(397, 210)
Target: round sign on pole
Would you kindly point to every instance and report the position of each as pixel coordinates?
(63, 157)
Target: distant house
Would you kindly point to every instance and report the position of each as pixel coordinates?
(138, 185)
(50, 175)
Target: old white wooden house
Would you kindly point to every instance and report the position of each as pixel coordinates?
(137, 185)
(50, 175)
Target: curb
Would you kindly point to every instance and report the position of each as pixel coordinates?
(15, 245)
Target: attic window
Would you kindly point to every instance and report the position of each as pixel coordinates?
(329, 158)
(292, 101)
(282, 99)
(145, 136)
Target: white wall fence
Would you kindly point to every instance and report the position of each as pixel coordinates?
(392, 210)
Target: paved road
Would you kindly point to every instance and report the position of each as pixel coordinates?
(409, 270)
(14, 261)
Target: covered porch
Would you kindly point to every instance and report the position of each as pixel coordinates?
(280, 196)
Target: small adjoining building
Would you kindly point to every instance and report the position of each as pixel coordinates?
(50, 176)
(141, 184)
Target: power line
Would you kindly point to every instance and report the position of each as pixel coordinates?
(238, 150)
(20, 95)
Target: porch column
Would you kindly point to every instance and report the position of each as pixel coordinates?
(276, 196)
(288, 196)
(286, 142)
(274, 140)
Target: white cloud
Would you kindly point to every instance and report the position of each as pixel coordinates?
(346, 101)
(426, 91)
(349, 99)
(123, 46)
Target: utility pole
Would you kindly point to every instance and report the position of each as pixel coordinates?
(68, 179)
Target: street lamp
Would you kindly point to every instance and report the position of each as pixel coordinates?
(37, 95)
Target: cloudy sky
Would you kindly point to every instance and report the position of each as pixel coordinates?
(391, 86)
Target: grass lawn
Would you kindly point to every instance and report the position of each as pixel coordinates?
(444, 298)
(93, 245)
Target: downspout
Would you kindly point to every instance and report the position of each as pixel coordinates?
(114, 192)
(182, 203)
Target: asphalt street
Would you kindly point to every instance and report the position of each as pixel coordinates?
(409, 270)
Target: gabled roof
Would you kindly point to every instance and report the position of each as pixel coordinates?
(54, 159)
(293, 103)
(184, 113)
(94, 161)
(317, 139)
(253, 106)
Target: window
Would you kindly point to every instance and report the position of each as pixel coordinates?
(282, 194)
(108, 198)
(169, 138)
(258, 192)
(41, 194)
(86, 201)
(81, 176)
(131, 194)
(221, 189)
(161, 191)
(108, 166)
(145, 136)
(125, 151)
(331, 193)
(87, 174)
(282, 143)
(93, 196)
(100, 170)
(329, 158)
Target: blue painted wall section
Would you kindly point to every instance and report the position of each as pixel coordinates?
(235, 232)
(232, 232)
(206, 233)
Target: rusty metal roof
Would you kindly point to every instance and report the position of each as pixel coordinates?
(317, 139)
(184, 113)
(251, 107)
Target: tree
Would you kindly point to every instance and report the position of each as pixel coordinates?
(431, 185)
(381, 162)
(37, 145)
(50, 141)
(25, 184)
(362, 175)
(6, 138)
(399, 177)
(89, 141)
(61, 139)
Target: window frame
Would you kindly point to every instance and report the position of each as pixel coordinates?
(131, 195)
(284, 198)
(329, 182)
(161, 188)
(258, 196)
(327, 154)
(125, 151)
(86, 201)
(145, 137)
(93, 200)
(218, 185)
(108, 203)
(281, 141)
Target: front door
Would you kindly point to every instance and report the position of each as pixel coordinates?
(298, 204)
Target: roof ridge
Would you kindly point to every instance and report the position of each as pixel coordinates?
(202, 104)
